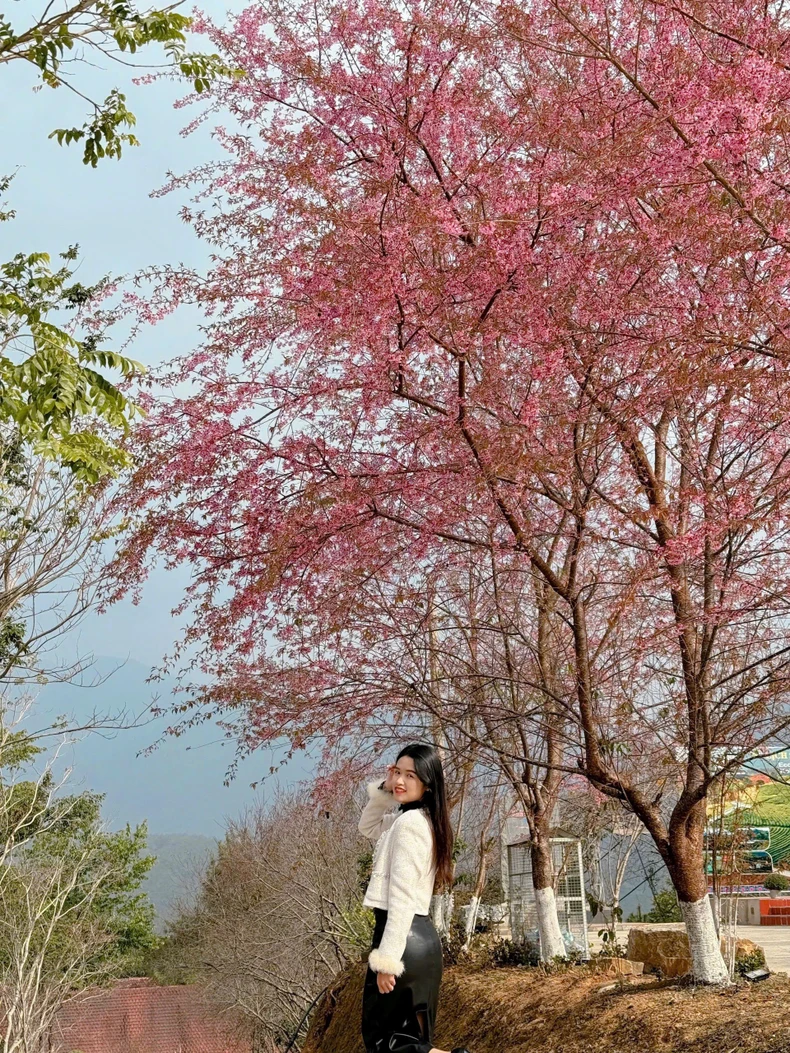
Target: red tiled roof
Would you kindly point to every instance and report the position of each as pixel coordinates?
(138, 1016)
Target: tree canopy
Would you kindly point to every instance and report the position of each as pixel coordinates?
(517, 281)
(54, 389)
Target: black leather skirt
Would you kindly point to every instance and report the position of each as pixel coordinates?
(403, 1020)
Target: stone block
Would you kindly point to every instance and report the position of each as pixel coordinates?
(667, 950)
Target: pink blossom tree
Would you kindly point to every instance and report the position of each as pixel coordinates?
(466, 646)
(513, 279)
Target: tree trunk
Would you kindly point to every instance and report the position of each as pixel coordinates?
(552, 945)
(437, 913)
(681, 847)
(442, 912)
(474, 903)
(707, 962)
(687, 870)
(471, 921)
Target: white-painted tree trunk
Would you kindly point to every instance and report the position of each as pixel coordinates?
(437, 913)
(707, 962)
(442, 912)
(471, 921)
(552, 944)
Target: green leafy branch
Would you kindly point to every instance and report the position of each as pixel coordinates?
(51, 390)
(109, 26)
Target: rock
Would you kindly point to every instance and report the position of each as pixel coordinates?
(667, 950)
(664, 950)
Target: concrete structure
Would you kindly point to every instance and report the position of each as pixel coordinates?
(762, 910)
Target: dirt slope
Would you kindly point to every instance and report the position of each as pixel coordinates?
(519, 1011)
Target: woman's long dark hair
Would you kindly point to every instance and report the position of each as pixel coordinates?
(428, 766)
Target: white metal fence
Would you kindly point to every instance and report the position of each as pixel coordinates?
(566, 856)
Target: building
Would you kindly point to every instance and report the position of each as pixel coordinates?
(139, 1016)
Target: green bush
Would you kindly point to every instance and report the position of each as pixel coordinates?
(462, 896)
(453, 940)
(776, 883)
(493, 953)
(357, 924)
(611, 948)
(493, 892)
(364, 868)
(746, 962)
(515, 952)
(665, 908)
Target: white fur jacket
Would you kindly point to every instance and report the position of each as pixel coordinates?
(403, 872)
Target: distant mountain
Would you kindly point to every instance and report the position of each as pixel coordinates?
(177, 788)
(180, 859)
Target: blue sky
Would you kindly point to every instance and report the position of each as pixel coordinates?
(120, 228)
(109, 212)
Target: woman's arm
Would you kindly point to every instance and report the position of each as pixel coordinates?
(412, 848)
(374, 820)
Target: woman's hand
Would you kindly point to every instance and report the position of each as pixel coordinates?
(386, 982)
(388, 782)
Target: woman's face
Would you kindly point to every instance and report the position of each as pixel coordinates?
(405, 781)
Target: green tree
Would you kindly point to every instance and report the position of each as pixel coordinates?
(494, 892)
(66, 30)
(71, 911)
(70, 826)
(665, 907)
(53, 394)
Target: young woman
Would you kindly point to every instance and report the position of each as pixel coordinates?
(413, 852)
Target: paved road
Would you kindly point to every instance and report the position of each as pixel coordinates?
(774, 940)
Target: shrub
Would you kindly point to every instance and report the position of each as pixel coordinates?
(493, 892)
(515, 952)
(611, 948)
(357, 924)
(364, 868)
(746, 962)
(453, 941)
(776, 883)
(665, 908)
(462, 896)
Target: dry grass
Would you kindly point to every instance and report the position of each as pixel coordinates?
(520, 1011)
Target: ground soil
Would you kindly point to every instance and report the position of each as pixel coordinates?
(514, 1010)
